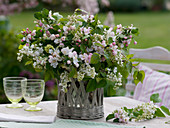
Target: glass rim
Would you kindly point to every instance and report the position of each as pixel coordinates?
(35, 80)
(14, 78)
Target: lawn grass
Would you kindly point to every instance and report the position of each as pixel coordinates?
(153, 26)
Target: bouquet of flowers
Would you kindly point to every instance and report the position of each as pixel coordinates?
(79, 47)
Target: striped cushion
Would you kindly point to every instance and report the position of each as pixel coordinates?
(154, 82)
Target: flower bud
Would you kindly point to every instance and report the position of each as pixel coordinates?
(135, 42)
(114, 43)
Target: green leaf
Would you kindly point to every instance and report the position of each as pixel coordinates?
(98, 44)
(129, 56)
(38, 70)
(85, 37)
(125, 108)
(83, 48)
(97, 66)
(167, 122)
(109, 87)
(155, 98)
(45, 13)
(39, 33)
(90, 43)
(135, 31)
(95, 58)
(124, 72)
(159, 113)
(136, 81)
(142, 75)
(91, 86)
(130, 111)
(102, 83)
(73, 71)
(63, 20)
(116, 120)
(135, 74)
(106, 55)
(38, 15)
(135, 59)
(136, 64)
(20, 47)
(103, 74)
(110, 40)
(98, 31)
(129, 67)
(24, 42)
(29, 62)
(110, 116)
(136, 114)
(20, 36)
(138, 76)
(166, 110)
(81, 10)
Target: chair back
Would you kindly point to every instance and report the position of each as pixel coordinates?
(153, 53)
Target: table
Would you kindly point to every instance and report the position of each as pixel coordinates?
(110, 104)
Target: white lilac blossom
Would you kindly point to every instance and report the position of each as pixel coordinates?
(40, 62)
(115, 76)
(64, 79)
(142, 112)
(148, 110)
(86, 70)
(78, 46)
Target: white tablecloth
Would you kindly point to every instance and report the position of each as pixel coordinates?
(49, 113)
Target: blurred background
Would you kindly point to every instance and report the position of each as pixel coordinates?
(152, 17)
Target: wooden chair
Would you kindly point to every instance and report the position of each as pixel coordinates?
(153, 53)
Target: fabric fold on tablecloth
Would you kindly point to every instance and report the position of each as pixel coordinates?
(47, 115)
(66, 123)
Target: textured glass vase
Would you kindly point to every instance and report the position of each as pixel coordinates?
(79, 104)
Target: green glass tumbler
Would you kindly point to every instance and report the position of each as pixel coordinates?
(33, 93)
(13, 90)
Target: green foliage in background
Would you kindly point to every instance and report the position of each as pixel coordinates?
(9, 66)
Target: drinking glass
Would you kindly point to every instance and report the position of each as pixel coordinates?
(13, 90)
(33, 93)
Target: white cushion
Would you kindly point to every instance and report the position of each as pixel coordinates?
(154, 82)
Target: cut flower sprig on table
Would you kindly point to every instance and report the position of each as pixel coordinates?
(142, 112)
(79, 47)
